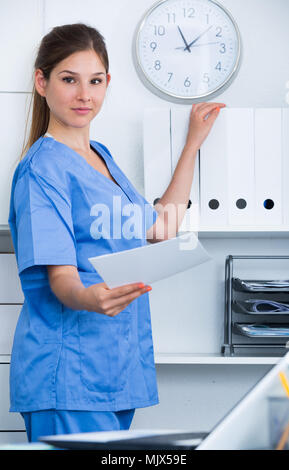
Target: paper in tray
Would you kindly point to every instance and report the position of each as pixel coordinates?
(261, 331)
(261, 307)
(244, 285)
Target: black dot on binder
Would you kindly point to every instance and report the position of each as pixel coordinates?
(214, 204)
(241, 203)
(157, 200)
(268, 204)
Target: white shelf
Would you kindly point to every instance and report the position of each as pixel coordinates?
(244, 232)
(245, 228)
(219, 232)
(189, 358)
(240, 232)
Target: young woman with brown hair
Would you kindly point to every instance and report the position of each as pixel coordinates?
(82, 357)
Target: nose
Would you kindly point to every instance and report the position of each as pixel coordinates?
(83, 92)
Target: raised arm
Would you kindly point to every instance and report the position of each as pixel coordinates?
(172, 206)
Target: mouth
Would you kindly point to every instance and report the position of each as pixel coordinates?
(81, 110)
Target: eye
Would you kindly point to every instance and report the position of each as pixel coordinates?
(71, 78)
(67, 78)
(98, 79)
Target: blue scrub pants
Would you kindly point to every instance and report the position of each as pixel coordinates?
(52, 422)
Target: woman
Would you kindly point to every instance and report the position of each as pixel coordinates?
(82, 357)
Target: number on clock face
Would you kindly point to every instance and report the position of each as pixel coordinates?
(188, 48)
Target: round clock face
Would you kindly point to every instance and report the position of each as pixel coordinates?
(187, 49)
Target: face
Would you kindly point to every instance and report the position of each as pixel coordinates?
(79, 81)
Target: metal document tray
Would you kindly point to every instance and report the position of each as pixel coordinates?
(236, 311)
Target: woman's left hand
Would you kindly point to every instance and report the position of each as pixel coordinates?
(199, 127)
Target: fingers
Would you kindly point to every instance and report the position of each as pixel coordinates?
(212, 115)
(111, 306)
(125, 290)
(125, 300)
(196, 106)
(205, 108)
(208, 110)
(112, 301)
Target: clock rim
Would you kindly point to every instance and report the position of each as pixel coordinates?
(172, 96)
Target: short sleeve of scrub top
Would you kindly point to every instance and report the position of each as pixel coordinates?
(63, 211)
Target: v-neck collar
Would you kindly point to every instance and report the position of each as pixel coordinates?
(124, 188)
(107, 162)
(98, 149)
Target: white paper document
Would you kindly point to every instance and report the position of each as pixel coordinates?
(151, 262)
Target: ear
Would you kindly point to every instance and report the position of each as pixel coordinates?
(40, 82)
(108, 78)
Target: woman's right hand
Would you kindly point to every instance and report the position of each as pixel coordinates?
(66, 284)
(99, 298)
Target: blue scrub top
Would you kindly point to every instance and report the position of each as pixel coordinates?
(63, 358)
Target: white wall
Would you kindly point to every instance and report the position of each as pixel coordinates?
(185, 391)
(261, 81)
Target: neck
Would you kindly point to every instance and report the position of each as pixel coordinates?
(73, 137)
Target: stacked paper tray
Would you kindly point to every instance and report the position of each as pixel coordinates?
(256, 319)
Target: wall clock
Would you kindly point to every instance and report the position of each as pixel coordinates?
(187, 50)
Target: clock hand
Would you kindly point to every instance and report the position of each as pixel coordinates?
(200, 35)
(197, 45)
(186, 44)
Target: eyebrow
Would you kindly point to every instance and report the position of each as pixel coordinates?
(75, 73)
